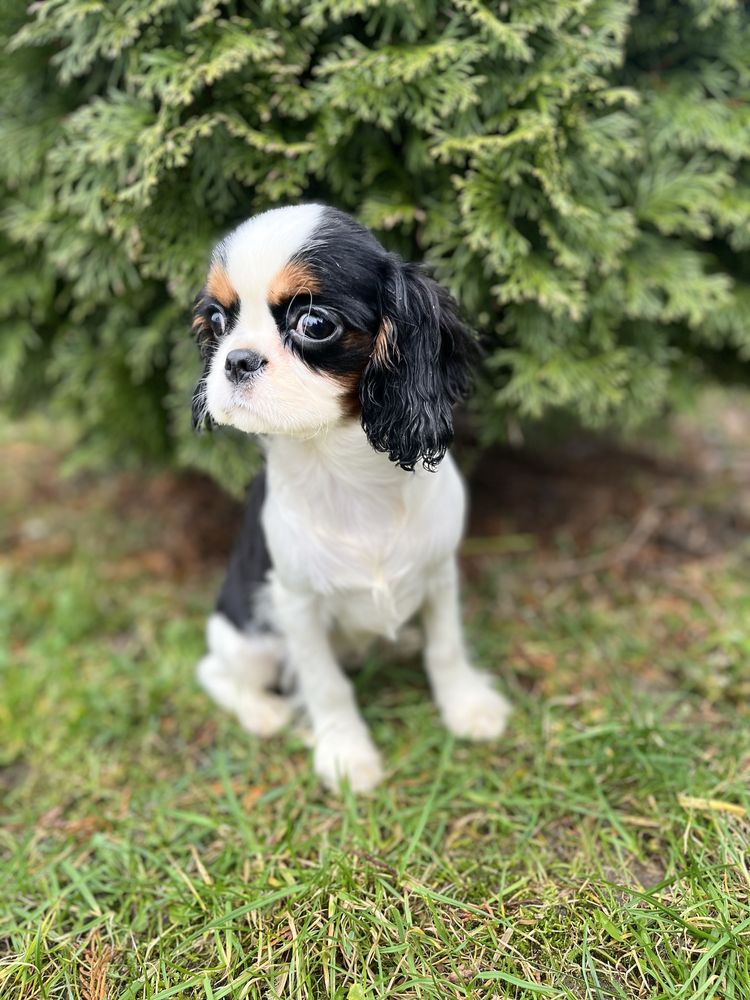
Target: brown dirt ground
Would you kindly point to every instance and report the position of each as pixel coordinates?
(690, 504)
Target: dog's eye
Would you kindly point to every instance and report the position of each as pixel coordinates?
(316, 326)
(218, 322)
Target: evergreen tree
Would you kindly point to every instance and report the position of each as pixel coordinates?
(574, 171)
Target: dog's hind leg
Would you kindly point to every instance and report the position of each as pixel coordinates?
(239, 671)
(245, 656)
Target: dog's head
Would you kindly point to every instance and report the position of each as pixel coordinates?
(306, 321)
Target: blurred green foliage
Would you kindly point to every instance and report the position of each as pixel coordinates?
(575, 171)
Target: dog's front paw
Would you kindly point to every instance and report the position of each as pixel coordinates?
(473, 709)
(348, 755)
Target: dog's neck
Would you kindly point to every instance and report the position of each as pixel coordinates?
(340, 482)
(341, 454)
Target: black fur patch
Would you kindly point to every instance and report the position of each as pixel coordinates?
(249, 562)
(405, 357)
(348, 266)
(409, 388)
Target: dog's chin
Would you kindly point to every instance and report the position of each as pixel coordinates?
(252, 418)
(241, 419)
(295, 408)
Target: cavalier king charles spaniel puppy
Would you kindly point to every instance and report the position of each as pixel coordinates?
(346, 361)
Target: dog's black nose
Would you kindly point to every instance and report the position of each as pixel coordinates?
(242, 364)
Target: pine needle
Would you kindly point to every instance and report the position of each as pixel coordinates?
(96, 961)
(710, 805)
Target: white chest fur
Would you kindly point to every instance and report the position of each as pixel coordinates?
(346, 525)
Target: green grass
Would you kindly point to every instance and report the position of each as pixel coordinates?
(151, 849)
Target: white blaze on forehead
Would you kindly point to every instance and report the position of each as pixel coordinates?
(258, 249)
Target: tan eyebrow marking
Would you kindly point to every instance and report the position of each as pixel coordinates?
(290, 280)
(219, 286)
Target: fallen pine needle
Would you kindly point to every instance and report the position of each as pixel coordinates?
(644, 821)
(711, 805)
(95, 964)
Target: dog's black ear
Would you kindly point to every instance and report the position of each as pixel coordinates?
(204, 337)
(420, 366)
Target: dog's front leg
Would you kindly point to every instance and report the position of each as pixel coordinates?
(467, 699)
(344, 750)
